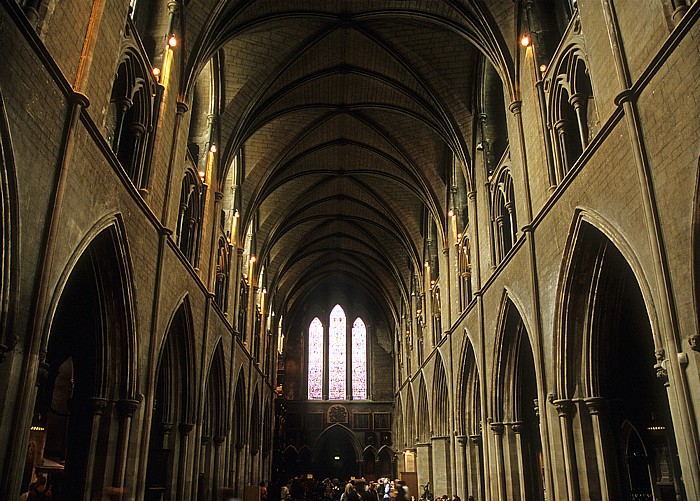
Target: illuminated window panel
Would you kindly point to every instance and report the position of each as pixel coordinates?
(315, 360)
(337, 365)
(359, 360)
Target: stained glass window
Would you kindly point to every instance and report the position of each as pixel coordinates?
(359, 360)
(337, 371)
(315, 360)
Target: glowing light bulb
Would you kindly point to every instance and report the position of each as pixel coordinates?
(525, 41)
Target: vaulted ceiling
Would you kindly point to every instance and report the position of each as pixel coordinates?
(349, 115)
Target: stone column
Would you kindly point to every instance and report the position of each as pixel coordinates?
(126, 409)
(498, 429)
(204, 467)
(216, 481)
(477, 467)
(99, 406)
(594, 406)
(463, 466)
(578, 101)
(560, 131)
(564, 410)
(184, 429)
(518, 431)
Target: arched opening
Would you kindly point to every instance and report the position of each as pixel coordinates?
(369, 462)
(611, 355)
(441, 419)
(171, 409)
(88, 376)
(213, 427)
(517, 423)
(385, 464)
(423, 415)
(410, 419)
(336, 454)
(471, 424)
(238, 435)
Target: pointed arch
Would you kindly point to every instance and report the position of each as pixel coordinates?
(214, 418)
(104, 249)
(470, 392)
(515, 395)
(440, 400)
(239, 412)
(423, 413)
(359, 360)
(399, 427)
(513, 351)
(410, 420)
(90, 352)
(607, 349)
(336, 430)
(255, 423)
(588, 223)
(337, 353)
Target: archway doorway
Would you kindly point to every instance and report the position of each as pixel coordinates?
(335, 454)
(87, 374)
(610, 358)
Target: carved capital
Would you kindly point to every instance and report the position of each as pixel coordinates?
(497, 428)
(219, 439)
(99, 405)
(515, 107)
(127, 407)
(462, 440)
(517, 427)
(594, 405)
(694, 342)
(181, 108)
(475, 439)
(563, 406)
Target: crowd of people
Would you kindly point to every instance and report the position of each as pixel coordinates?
(384, 489)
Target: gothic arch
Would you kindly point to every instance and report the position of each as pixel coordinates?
(586, 220)
(423, 413)
(608, 370)
(239, 412)
(410, 419)
(173, 407)
(469, 392)
(105, 247)
(400, 429)
(441, 400)
(328, 434)
(255, 424)
(9, 236)
(90, 351)
(214, 408)
(515, 395)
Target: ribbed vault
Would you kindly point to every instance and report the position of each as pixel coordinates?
(342, 121)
